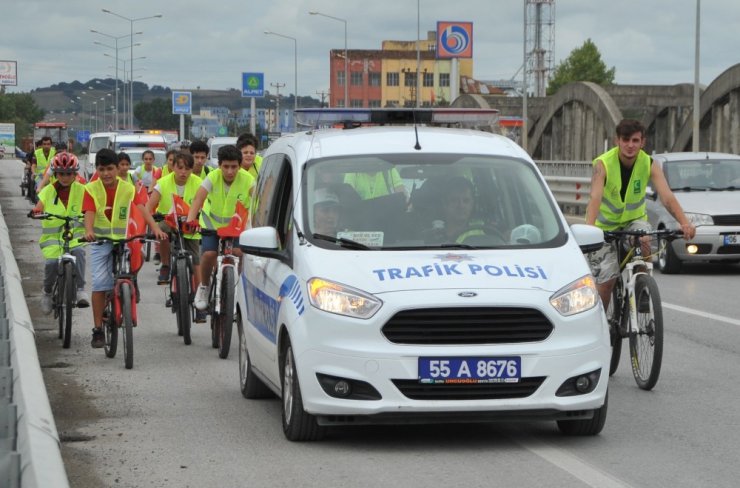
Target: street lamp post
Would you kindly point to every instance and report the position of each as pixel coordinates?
(295, 67)
(346, 59)
(131, 57)
(116, 48)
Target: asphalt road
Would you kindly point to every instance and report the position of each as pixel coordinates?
(178, 419)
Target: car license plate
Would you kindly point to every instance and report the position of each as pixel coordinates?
(731, 239)
(470, 370)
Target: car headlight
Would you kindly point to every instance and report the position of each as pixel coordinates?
(577, 297)
(341, 299)
(699, 219)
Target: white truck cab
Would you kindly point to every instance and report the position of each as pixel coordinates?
(412, 273)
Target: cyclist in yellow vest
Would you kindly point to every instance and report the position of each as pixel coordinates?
(62, 197)
(199, 150)
(183, 183)
(218, 196)
(251, 161)
(43, 156)
(617, 202)
(376, 184)
(106, 205)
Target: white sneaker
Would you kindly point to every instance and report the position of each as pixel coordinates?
(201, 298)
(46, 302)
(83, 301)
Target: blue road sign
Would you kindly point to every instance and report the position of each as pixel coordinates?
(182, 103)
(83, 136)
(253, 84)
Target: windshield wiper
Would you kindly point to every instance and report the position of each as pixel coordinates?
(690, 188)
(725, 188)
(348, 243)
(455, 245)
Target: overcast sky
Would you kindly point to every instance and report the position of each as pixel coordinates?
(207, 44)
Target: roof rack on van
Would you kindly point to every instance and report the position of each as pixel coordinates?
(352, 117)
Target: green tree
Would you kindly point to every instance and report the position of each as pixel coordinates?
(156, 114)
(582, 64)
(20, 109)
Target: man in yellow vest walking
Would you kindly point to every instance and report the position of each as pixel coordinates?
(42, 158)
(618, 188)
(64, 198)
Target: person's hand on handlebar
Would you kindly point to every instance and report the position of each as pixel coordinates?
(191, 226)
(689, 230)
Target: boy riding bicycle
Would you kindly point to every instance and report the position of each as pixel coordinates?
(183, 183)
(106, 206)
(218, 196)
(63, 197)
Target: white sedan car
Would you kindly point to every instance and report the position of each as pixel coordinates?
(401, 274)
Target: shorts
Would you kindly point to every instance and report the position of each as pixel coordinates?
(191, 245)
(209, 242)
(604, 263)
(101, 266)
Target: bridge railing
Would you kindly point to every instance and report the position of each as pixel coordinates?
(570, 182)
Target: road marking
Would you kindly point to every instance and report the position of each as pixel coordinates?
(572, 464)
(707, 315)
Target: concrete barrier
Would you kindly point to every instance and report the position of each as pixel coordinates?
(30, 455)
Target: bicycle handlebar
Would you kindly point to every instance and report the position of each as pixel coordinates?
(47, 216)
(141, 237)
(612, 235)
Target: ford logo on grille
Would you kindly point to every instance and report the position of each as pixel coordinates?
(467, 294)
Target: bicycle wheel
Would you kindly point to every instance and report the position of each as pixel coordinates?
(127, 324)
(614, 316)
(182, 277)
(111, 330)
(70, 296)
(227, 314)
(215, 317)
(646, 343)
(57, 295)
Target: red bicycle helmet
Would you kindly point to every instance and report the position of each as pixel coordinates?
(65, 163)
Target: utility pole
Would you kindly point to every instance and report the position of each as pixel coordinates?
(323, 96)
(278, 86)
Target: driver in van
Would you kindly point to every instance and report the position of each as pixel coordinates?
(456, 224)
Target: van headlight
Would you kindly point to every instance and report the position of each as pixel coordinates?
(577, 297)
(341, 299)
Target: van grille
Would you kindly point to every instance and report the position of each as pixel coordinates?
(478, 391)
(726, 219)
(479, 325)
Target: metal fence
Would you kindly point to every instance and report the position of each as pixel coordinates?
(570, 182)
(29, 445)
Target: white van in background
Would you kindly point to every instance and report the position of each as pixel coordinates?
(98, 141)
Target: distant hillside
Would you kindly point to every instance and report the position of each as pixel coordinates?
(62, 97)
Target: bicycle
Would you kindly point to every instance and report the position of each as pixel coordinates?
(28, 185)
(221, 304)
(120, 304)
(182, 278)
(64, 291)
(635, 309)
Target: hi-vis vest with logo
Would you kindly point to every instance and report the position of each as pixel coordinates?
(220, 206)
(51, 229)
(168, 188)
(115, 228)
(42, 162)
(613, 212)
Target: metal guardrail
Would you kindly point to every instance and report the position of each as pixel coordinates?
(29, 444)
(570, 183)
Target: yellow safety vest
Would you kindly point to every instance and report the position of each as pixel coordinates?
(42, 162)
(168, 188)
(115, 228)
(51, 241)
(255, 168)
(615, 213)
(373, 185)
(220, 206)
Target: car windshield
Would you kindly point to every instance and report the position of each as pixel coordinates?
(160, 157)
(98, 143)
(442, 201)
(702, 174)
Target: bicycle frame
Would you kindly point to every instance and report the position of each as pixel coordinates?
(225, 261)
(627, 266)
(122, 275)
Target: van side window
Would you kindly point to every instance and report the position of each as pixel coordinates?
(272, 201)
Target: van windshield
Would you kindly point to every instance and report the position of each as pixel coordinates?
(430, 202)
(98, 143)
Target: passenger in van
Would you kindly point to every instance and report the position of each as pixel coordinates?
(326, 213)
(376, 184)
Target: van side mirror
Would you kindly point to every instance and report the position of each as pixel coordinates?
(589, 237)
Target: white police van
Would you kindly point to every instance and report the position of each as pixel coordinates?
(413, 274)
